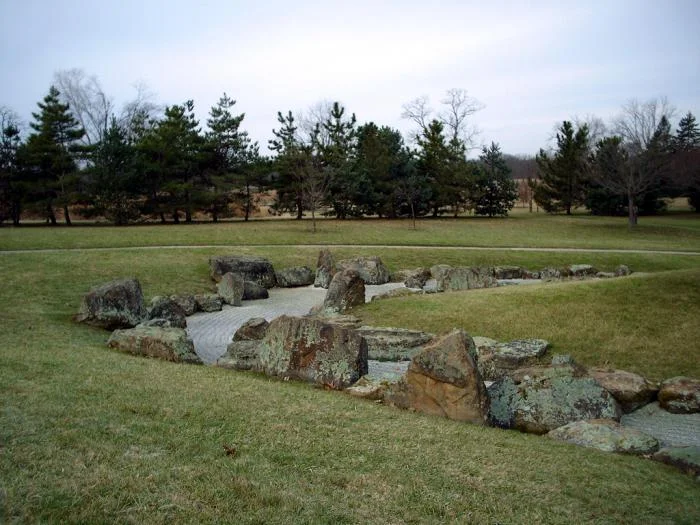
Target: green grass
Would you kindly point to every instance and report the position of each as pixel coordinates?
(671, 232)
(91, 435)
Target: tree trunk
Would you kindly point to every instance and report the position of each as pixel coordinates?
(300, 208)
(247, 202)
(66, 216)
(313, 217)
(632, 212)
(413, 214)
(188, 215)
(162, 217)
(50, 215)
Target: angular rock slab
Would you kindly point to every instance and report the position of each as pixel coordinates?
(393, 344)
(371, 269)
(252, 330)
(187, 302)
(630, 390)
(499, 360)
(294, 276)
(116, 304)
(548, 401)
(369, 388)
(241, 355)
(171, 344)
(167, 309)
(208, 302)
(462, 278)
(325, 269)
(443, 380)
(347, 289)
(605, 435)
(680, 395)
(312, 350)
(231, 288)
(415, 278)
(253, 291)
(256, 269)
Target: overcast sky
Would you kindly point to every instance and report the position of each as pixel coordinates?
(532, 64)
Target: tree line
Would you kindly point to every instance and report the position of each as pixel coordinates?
(147, 162)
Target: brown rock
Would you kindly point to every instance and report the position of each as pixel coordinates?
(443, 380)
(116, 304)
(230, 288)
(371, 269)
(347, 289)
(630, 390)
(325, 269)
(171, 344)
(252, 330)
(680, 395)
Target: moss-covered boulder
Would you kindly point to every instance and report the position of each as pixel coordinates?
(371, 269)
(251, 268)
(171, 344)
(187, 302)
(546, 398)
(680, 395)
(450, 278)
(443, 380)
(241, 355)
(116, 304)
(606, 435)
(168, 310)
(209, 302)
(294, 276)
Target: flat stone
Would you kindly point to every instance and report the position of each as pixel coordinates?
(606, 435)
(499, 360)
(393, 344)
(680, 395)
(171, 344)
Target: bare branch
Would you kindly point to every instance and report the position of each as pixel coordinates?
(419, 112)
(638, 121)
(460, 106)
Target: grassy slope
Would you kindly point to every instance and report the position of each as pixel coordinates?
(87, 434)
(672, 232)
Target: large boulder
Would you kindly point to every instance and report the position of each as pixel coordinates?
(187, 302)
(230, 288)
(253, 291)
(256, 269)
(547, 398)
(241, 355)
(347, 289)
(500, 359)
(116, 304)
(208, 302)
(325, 269)
(606, 435)
(443, 380)
(171, 344)
(168, 310)
(462, 278)
(680, 395)
(252, 330)
(313, 350)
(393, 344)
(581, 271)
(508, 272)
(294, 276)
(371, 269)
(415, 278)
(630, 390)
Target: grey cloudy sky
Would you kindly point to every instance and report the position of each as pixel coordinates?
(532, 64)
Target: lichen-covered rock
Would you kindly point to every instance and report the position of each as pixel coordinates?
(312, 350)
(393, 344)
(606, 435)
(166, 308)
(630, 390)
(209, 302)
(369, 388)
(396, 292)
(294, 276)
(253, 291)
(581, 271)
(686, 459)
(543, 402)
(371, 269)
(680, 395)
(415, 278)
(462, 278)
(622, 271)
(256, 269)
(241, 355)
(171, 344)
(252, 330)
(547, 274)
(347, 289)
(325, 269)
(496, 361)
(187, 302)
(508, 272)
(230, 288)
(443, 380)
(116, 304)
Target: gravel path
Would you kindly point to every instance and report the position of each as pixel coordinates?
(672, 430)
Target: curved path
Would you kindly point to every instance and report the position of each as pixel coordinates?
(362, 246)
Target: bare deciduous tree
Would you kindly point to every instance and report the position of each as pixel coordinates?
(315, 184)
(418, 110)
(140, 111)
(638, 121)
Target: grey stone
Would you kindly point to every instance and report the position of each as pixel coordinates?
(241, 355)
(256, 269)
(581, 271)
(622, 271)
(171, 344)
(368, 388)
(680, 395)
(463, 278)
(396, 292)
(209, 302)
(166, 308)
(187, 302)
(347, 289)
(605, 435)
(393, 344)
(230, 288)
(415, 278)
(630, 390)
(370, 269)
(508, 272)
(547, 274)
(502, 358)
(253, 291)
(116, 304)
(252, 330)
(325, 269)
(294, 276)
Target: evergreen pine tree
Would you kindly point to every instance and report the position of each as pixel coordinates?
(346, 189)
(496, 190)
(11, 193)
(289, 165)
(688, 134)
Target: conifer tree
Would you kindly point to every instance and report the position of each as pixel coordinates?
(345, 188)
(496, 190)
(289, 164)
(11, 193)
(688, 134)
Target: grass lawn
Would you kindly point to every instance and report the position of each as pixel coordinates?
(88, 434)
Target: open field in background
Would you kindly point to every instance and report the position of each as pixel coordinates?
(91, 435)
(669, 232)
